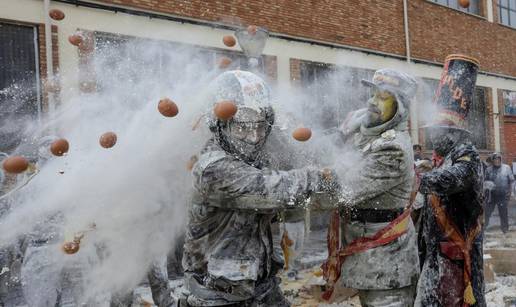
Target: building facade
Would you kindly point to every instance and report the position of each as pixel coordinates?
(308, 40)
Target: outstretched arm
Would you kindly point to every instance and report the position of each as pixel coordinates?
(232, 183)
(379, 172)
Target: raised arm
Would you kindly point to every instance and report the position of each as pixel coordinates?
(449, 180)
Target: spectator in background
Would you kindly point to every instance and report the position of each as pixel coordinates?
(418, 152)
(488, 185)
(501, 188)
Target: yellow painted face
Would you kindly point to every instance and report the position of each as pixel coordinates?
(381, 108)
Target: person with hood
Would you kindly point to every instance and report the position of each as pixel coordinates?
(377, 254)
(229, 259)
(452, 272)
(501, 177)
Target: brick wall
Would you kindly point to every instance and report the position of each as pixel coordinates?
(437, 31)
(295, 72)
(496, 11)
(47, 86)
(349, 22)
(509, 140)
(375, 24)
(43, 50)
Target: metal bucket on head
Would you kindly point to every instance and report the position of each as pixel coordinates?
(454, 95)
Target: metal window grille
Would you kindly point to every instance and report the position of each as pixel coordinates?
(507, 12)
(19, 82)
(477, 117)
(143, 57)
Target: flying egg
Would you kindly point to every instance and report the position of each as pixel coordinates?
(56, 14)
(75, 39)
(225, 110)
(59, 147)
(15, 164)
(229, 40)
(167, 107)
(302, 134)
(108, 140)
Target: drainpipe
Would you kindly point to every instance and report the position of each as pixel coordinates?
(405, 23)
(50, 63)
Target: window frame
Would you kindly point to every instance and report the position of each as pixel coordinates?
(313, 73)
(509, 8)
(38, 102)
(480, 4)
(507, 116)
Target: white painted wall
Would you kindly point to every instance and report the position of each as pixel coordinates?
(99, 20)
(489, 8)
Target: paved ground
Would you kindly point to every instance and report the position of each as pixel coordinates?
(494, 221)
(306, 290)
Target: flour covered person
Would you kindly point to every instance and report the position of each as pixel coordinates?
(229, 259)
(452, 273)
(371, 240)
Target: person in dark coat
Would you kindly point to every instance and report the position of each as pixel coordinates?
(451, 240)
(458, 184)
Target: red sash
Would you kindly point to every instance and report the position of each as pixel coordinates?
(337, 255)
(464, 244)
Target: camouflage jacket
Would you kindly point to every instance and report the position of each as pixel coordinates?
(228, 255)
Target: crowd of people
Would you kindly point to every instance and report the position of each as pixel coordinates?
(241, 185)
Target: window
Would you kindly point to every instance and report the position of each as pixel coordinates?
(137, 59)
(19, 82)
(333, 91)
(509, 103)
(477, 118)
(474, 7)
(507, 12)
(476, 122)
